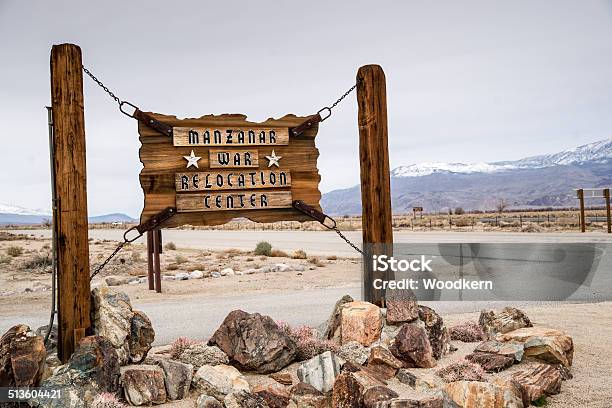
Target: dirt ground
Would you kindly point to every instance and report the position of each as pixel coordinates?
(25, 282)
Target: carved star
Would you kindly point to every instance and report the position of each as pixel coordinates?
(273, 160)
(192, 160)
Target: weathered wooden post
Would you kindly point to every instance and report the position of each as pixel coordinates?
(582, 216)
(151, 268)
(608, 215)
(375, 177)
(71, 185)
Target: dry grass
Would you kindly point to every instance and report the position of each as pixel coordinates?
(468, 332)
(308, 345)
(172, 267)
(316, 262)
(180, 259)
(179, 345)
(170, 246)
(277, 253)
(299, 254)
(461, 371)
(14, 251)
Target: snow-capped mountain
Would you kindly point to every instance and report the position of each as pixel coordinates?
(597, 152)
(15, 215)
(13, 209)
(538, 181)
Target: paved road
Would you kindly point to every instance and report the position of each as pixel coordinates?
(328, 243)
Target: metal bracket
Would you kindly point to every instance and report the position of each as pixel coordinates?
(314, 213)
(150, 224)
(307, 124)
(153, 123)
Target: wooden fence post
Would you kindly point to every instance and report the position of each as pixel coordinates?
(151, 267)
(582, 217)
(608, 215)
(71, 185)
(375, 177)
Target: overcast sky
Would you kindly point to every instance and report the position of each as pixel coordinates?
(466, 81)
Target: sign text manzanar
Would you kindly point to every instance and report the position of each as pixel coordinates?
(217, 168)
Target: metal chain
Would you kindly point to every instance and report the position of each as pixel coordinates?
(107, 260)
(351, 89)
(348, 241)
(97, 81)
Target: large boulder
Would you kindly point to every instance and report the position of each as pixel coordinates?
(510, 348)
(219, 380)
(206, 401)
(143, 384)
(201, 354)
(550, 345)
(378, 397)
(402, 307)
(491, 363)
(141, 336)
(412, 347)
(178, 378)
(254, 342)
(538, 381)
(22, 357)
(361, 322)
(244, 399)
(347, 392)
(507, 320)
(436, 331)
(306, 396)
(112, 318)
(320, 371)
(51, 344)
(354, 352)
(331, 328)
(275, 395)
(476, 394)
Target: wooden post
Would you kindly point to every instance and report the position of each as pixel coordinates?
(375, 178)
(71, 185)
(151, 274)
(608, 216)
(582, 217)
(156, 265)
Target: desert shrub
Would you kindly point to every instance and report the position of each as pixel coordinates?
(461, 371)
(136, 256)
(308, 345)
(332, 258)
(170, 246)
(249, 259)
(106, 400)
(196, 267)
(459, 211)
(178, 346)
(468, 332)
(299, 254)
(316, 261)
(172, 267)
(5, 259)
(263, 248)
(180, 259)
(540, 402)
(462, 222)
(279, 254)
(40, 260)
(14, 251)
(531, 227)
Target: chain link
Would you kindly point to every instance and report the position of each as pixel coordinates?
(351, 89)
(348, 241)
(107, 260)
(97, 81)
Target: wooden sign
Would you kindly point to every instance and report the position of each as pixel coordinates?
(216, 168)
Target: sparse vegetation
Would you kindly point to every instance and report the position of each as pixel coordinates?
(316, 262)
(136, 256)
(106, 400)
(180, 259)
(461, 371)
(172, 267)
(279, 254)
(305, 338)
(179, 345)
(501, 205)
(263, 248)
(39, 261)
(299, 254)
(170, 246)
(5, 259)
(332, 258)
(459, 211)
(14, 251)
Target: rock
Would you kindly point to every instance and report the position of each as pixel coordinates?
(181, 276)
(178, 378)
(22, 357)
(538, 381)
(320, 371)
(406, 377)
(436, 331)
(112, 315)
(227, 272)
(550, 345)
(201, 354)
(375, 397)
(298, 268)
(116, 280)
(401, 306)
(281, 267)
(215, 275)
(143, 384)
(306, 396)
(206, 401)
(331, 328)
(354, 352)
(282, 378)
(428, 402)
(347, 391)
(491, 363)
(412, 346)
(141, 336)
(476, 394)
(244, 399)
(513, 349)
(167, 277)
(255, 342)
(275, 395)
(196, 275)
(219, 380)
(360, 322)
(382, 363)
(134, 281)
(250, 271)
(95, 359)
(507, 320)
(468, 332)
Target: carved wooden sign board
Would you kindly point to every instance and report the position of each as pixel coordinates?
(217, 168)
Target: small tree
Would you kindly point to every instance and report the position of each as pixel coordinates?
(501, 205)
(459, 211)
